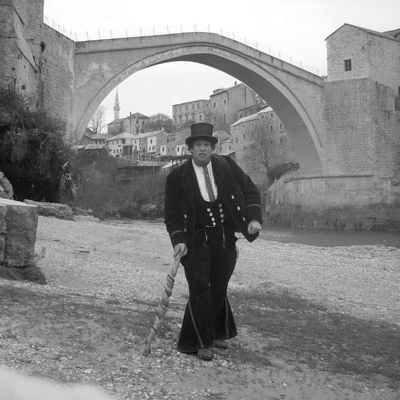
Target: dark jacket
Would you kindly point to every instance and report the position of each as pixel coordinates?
(236, 190)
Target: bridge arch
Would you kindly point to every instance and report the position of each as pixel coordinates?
(293, 93)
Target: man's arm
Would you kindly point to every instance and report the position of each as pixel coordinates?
(251, 195)
(173, 213)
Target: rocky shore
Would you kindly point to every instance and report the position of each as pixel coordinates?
(104, 280)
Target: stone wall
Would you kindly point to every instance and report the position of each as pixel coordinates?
(17, 66)
(37, 61)
(360, 122)
(334, 202)
(58, 74)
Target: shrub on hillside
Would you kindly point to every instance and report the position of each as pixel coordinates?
(32, 150)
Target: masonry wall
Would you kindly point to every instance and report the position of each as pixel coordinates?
(263, 130)
(362, 128)
(17, 69)
(373, 56)
(37, 61)
(387, 134)
(57, 70)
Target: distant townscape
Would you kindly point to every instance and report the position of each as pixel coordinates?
(247, 129)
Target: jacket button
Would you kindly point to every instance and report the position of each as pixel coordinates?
(244, 219)
(232, 196)
(238, 208)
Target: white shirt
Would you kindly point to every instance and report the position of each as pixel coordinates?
(202, 182)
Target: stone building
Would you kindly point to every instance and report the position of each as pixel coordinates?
(221, 110)
(361, 111)
(355, 53)
(225, 104)
(117, 143)
(35, 59)
(191, 111)
(93, 138)
(260, 140)
(133, 124)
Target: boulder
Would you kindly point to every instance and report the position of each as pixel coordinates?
(57, 210)
(18, 224)
(6, 189)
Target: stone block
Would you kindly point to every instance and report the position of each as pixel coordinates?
(57, 210)
(18, 225)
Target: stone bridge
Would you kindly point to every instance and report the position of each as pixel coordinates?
(295, 94)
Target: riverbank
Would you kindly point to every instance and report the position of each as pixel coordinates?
(314, 322)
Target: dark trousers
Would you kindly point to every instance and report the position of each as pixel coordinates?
(208, 315)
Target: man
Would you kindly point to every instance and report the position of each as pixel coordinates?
(207, 200)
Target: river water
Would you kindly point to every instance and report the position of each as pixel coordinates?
(330, 238)
(323, 238)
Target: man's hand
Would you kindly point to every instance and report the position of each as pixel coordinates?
(254, 227)
(180, 250)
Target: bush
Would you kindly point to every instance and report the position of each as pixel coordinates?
(141, 197)
(32, 150)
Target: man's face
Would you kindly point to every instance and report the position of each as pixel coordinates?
(201, 152)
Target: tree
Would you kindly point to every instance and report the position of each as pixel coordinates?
(97, 121)
(159, 121)
(259, 156)
(32, 150)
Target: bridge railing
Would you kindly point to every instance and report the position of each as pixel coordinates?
(171, 29)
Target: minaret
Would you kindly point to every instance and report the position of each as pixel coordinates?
(116, 106)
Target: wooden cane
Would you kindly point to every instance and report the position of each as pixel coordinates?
(162, 307)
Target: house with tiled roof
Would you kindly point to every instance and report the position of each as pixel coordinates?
(117, 143)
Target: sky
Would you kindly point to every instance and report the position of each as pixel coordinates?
(293, 29)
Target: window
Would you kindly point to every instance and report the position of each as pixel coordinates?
(347, 65)
(215, 105)
(271, 128)
(281, 127)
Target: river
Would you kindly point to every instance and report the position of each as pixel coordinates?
(330, 238)
(323, 238)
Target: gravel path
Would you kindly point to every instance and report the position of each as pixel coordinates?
(129, 263)
(104, 280)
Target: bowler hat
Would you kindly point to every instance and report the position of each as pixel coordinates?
(201, 131)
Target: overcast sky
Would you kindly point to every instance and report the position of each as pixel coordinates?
(293, 28)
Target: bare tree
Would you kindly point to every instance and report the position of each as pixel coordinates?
(258, 158)
(97, 121)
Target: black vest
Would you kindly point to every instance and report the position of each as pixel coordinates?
(210, 214)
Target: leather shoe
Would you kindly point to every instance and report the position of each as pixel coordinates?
(205, 354)
(221, 344)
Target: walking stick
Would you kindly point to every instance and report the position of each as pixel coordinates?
(162, 307)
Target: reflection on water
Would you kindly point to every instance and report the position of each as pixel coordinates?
(329, 238)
